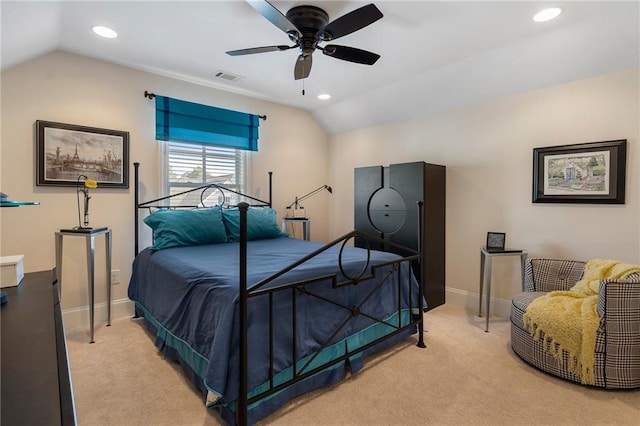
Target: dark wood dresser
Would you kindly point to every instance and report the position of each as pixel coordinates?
(385, 205)
(36, 383)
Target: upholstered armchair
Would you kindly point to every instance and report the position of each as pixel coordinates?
(617, 349)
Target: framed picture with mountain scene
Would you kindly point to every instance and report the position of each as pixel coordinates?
(67, 152)
(591, 172)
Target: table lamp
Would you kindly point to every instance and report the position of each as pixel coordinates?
(297, 209)
(83, 187)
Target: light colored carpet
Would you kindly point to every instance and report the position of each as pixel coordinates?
(464, 377)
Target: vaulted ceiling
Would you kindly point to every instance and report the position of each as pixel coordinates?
(434, 55)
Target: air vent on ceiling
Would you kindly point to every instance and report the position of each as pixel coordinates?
(227, 76)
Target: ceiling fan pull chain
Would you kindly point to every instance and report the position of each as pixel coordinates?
(303, 87)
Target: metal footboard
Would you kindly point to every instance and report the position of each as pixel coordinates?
(368, 272)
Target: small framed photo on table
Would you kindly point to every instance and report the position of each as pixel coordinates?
(495, 240)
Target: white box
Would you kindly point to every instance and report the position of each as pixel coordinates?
(12, 270)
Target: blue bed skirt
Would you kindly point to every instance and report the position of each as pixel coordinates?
(191, 362)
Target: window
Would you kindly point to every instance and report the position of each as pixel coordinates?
(190, 165)
(203, 145)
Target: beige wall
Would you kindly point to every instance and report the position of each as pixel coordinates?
(487, 150)
(488, 153)
(73, 89)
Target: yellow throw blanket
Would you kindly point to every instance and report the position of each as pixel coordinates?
(568, 320)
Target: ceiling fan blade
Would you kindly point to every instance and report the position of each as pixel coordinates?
(273, 15)
(263, 49)
(352, 21)
(351, 54)
(303, 67)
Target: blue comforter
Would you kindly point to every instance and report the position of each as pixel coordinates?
(190, 295)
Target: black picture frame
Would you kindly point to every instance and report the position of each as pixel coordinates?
(496, 240)
(588, 173)
(64, 152)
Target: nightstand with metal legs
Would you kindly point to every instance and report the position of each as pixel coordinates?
(305, 222)
(90, 237)
(486, 257)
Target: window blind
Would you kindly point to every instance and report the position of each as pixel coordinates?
(191, 165)
(183, 121)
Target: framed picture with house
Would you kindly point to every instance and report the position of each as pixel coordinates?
(583, 173)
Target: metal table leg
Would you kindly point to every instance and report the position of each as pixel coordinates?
(306, 230)
(482, 261)
(488, 281)
(91, 248)
(523, 263)
(107, 240)
(59, 261)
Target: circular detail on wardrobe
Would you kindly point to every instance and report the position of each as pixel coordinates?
(387, 211)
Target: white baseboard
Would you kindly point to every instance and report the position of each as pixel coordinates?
(79, 317)
(469, 300)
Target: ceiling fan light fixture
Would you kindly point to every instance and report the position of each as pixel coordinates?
(547, 14)
(307, 26)
(103, 31)
(324, 96)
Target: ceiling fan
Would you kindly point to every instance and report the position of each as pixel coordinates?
(307, 26)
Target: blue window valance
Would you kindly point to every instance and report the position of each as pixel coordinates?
(183, 121)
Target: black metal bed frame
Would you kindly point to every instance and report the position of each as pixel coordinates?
(300, 288)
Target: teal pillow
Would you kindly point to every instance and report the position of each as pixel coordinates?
(261, 224)
(179, 227)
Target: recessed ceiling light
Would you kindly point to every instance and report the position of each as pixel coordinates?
(324, 96)
(547, 14)
(104, 31)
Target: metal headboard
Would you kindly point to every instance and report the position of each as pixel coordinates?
(161, 203)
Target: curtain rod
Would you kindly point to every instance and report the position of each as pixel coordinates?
(153, 95)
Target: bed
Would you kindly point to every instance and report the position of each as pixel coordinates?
(258, 320)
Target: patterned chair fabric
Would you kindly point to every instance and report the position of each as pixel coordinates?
(617, 353)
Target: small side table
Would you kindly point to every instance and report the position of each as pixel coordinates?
(486, 258)
(306, 225)
(90, 236)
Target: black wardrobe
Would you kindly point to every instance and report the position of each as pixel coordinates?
(386, 205)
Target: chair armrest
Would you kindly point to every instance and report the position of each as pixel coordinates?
(619, 292)
(552, 274)
(619, 305)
